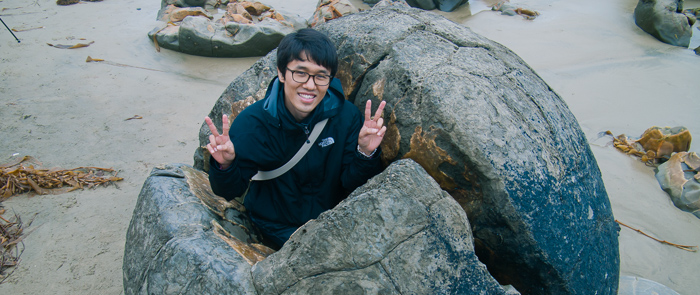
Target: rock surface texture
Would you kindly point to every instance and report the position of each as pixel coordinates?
(665, 20)
(172, 246)
(398, 234)
(680, 179)
(489, 130)
(238, 33)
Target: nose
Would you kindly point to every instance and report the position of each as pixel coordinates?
(310, 84)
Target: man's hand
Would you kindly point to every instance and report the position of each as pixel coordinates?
(220, 146)
(373, 130)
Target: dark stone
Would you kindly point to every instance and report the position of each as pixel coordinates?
(665, 20)
(444, 5)
(66, 2)
(422, 4)
(488, 129)
(398, 234)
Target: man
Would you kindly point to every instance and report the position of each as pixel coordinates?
(267, 134)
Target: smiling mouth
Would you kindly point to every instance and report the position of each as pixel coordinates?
(307, 98)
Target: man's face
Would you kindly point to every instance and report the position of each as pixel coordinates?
(302, 98)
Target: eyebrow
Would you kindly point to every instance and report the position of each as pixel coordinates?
(323, 71)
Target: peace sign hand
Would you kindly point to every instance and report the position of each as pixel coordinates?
(373, 129)
(220, 146)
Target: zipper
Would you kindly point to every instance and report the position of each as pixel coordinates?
(307, 132)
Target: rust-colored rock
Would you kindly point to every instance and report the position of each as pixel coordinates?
(425, 152)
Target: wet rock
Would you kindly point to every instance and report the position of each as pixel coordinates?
(665, 20)
(679, 178)
(179, 243)
(245, 29)
(443, 5)
(398, 234)
(488, 129)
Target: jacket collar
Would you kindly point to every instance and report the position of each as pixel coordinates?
(278, 114)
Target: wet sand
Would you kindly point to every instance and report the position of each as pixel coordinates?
(69, 113)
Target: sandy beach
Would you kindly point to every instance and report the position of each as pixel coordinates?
(69, 113)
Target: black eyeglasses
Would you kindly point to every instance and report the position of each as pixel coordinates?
(303, 77)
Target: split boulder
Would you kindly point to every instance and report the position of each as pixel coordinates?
(398, 234)
(488, 129)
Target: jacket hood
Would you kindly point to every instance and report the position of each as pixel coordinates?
(278, 114)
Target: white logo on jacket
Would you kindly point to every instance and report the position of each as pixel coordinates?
(326, 142)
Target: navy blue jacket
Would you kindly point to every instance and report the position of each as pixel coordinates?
(265, 136)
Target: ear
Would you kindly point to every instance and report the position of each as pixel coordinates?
(280, 75)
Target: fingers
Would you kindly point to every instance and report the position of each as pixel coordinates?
(380, 110)
(226, 125)
(381, 132)
(368, 110)
(377, 114)
(380, 122)
(212, 144)
(212, 128)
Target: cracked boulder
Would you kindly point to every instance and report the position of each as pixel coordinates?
(488, 129)
(182, 239)
(398, 234)
(245, 29)
(665, 20)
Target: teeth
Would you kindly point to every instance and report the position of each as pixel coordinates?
(307, 96)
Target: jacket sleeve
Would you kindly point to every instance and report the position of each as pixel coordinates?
(234, 180)
(358, 168)
(228, 183)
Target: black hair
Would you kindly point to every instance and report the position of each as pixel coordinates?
(311, 43)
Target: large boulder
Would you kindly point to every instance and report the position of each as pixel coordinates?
(665, 20)
(398, 234)
(178, 244)
(488, 129)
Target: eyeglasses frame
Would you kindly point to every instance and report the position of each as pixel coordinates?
(309, 76)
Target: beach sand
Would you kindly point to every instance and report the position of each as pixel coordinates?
(69, 113)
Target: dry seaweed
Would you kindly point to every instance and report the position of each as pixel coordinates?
(135, 117)
(24, 30)
(682, 247)
(79, 45)
(11, 235)
(656, 145)
(22, 176)
(90, 59)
